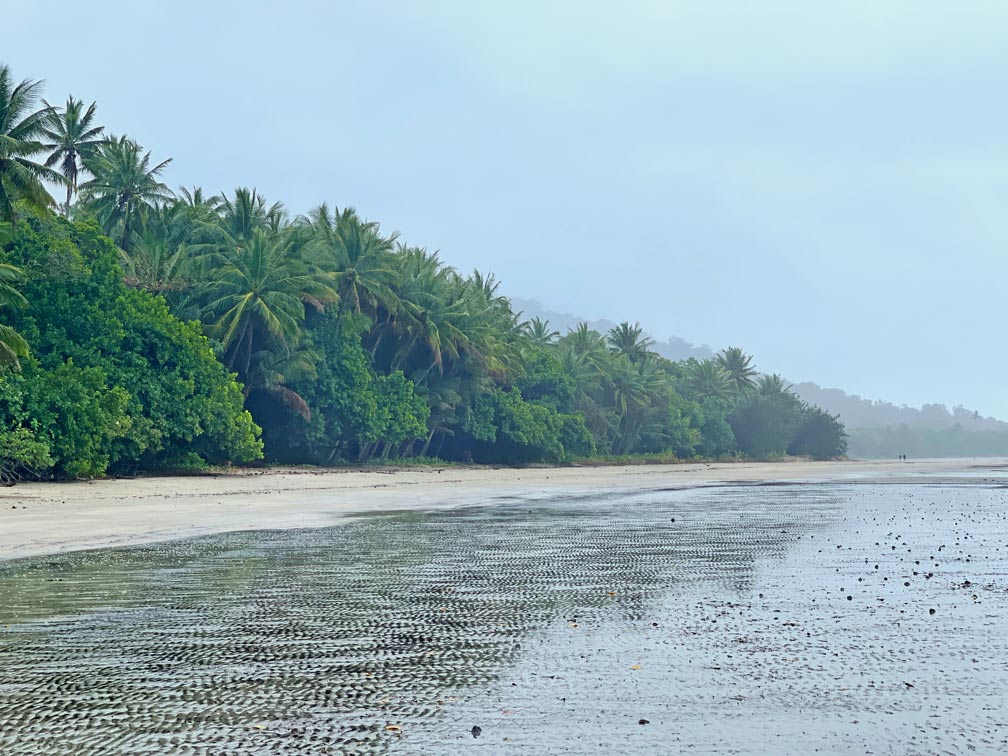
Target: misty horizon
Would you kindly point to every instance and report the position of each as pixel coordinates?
(821, 187)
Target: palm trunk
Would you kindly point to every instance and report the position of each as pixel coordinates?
(126, 231)
(401, 358)
(237, 349)
(426, 446)
(248, 351)
(374, 349)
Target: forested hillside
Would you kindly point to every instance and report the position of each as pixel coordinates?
(151, 329)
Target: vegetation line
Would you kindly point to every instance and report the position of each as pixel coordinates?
(146, 329)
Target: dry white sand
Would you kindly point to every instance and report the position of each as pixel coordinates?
(40, 518)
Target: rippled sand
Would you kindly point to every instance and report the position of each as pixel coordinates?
(848, 618)
(43, 518)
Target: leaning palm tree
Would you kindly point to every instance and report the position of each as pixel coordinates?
(21, 129)
(739, 367)
(124, 186)
(74, 138)
(12, 344)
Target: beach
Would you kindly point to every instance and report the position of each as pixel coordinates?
(40, 518)
(842, 608)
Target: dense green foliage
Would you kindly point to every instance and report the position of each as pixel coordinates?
(114, 380)
(347, 344)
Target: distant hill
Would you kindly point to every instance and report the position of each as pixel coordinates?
(857, 412)
(877, 429)
(675, 349)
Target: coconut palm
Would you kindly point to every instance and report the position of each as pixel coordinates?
(12, 344)
(73, 139)
(255, 296)
(539, 332)
(739, 367)
(358, 256)
(629, 340)
(192, 222)
(773, 385)
(124, 186)
(628, 394)
(431, 316)
(22, 128)
(494, 332)
(198, 204)
(156, 263)
(706, 379)
(585, 341)
(273, 368)
(247, 211)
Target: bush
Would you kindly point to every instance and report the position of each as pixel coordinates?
(116, 381)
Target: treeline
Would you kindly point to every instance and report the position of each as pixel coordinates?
(146, 329)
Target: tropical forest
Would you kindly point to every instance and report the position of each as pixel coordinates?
(152, 328)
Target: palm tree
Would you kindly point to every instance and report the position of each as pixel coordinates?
(585, 341)
(21, 128)
(74, 139)
(431, 307)
(255, 296)
(124, 186)
(155, 263)
(628, 393)
(539, 332)
(773, 385)
(247, 211)
(629, 340)
(273, 369)
(198, 203)
(493, 330)
(359, 257)
(739, 367)
(12, 344)
(706, 379)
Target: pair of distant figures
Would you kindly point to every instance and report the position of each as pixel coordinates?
(902, 457)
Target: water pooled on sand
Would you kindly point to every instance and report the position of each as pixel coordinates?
(745, 619)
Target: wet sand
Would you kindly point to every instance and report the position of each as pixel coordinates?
(39, 518)
(858, 615)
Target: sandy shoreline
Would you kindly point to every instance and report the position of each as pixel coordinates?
(40, 518)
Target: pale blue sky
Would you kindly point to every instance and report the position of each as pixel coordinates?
(821, 183)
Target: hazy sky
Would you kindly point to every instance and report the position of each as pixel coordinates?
(825, 187)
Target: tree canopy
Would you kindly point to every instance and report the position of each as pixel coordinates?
(153, 329)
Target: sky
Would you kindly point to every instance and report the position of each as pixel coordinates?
(823, 184)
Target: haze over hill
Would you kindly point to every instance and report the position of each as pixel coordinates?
(822, 183)
(877, 428)
(673, 348)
